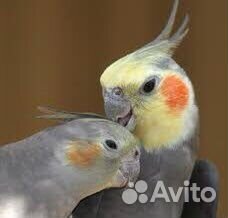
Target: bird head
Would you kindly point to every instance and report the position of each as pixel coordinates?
(101, 142)
(150, 94)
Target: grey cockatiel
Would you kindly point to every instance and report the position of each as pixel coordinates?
(47, 174)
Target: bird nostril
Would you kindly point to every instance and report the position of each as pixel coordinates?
(117, 91)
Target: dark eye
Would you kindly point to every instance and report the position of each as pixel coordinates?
(136, 153)
(111, 144)
(149, 86)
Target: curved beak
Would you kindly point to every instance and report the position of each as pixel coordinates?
(119, 109)
(130, 165)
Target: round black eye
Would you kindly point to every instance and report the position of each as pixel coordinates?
(149, 86)
(111, 144)
(136, 153)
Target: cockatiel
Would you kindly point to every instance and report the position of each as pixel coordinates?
(150, 94)
(47, 174)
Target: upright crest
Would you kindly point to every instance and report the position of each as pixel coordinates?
(165, 43)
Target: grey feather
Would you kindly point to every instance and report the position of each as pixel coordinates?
(165, 44)
(204, 175)
(64, 116)
(169, 26)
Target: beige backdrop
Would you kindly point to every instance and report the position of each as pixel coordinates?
(52, 52)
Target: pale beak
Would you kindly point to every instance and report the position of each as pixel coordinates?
(118, 108)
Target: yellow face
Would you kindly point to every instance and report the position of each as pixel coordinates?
(159, 100)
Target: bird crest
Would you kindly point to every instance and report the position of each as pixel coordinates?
(163, 46)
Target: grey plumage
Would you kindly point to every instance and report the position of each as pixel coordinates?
(38, 180)
(205, 174)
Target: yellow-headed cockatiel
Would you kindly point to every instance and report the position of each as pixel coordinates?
(149, 93)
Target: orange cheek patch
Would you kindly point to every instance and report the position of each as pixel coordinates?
(83, 154)
(175, 92)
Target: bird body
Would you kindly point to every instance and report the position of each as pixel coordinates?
(47, 174)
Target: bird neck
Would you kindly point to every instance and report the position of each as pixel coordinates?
(159, 129)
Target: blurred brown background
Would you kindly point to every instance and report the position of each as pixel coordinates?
(52, 52)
